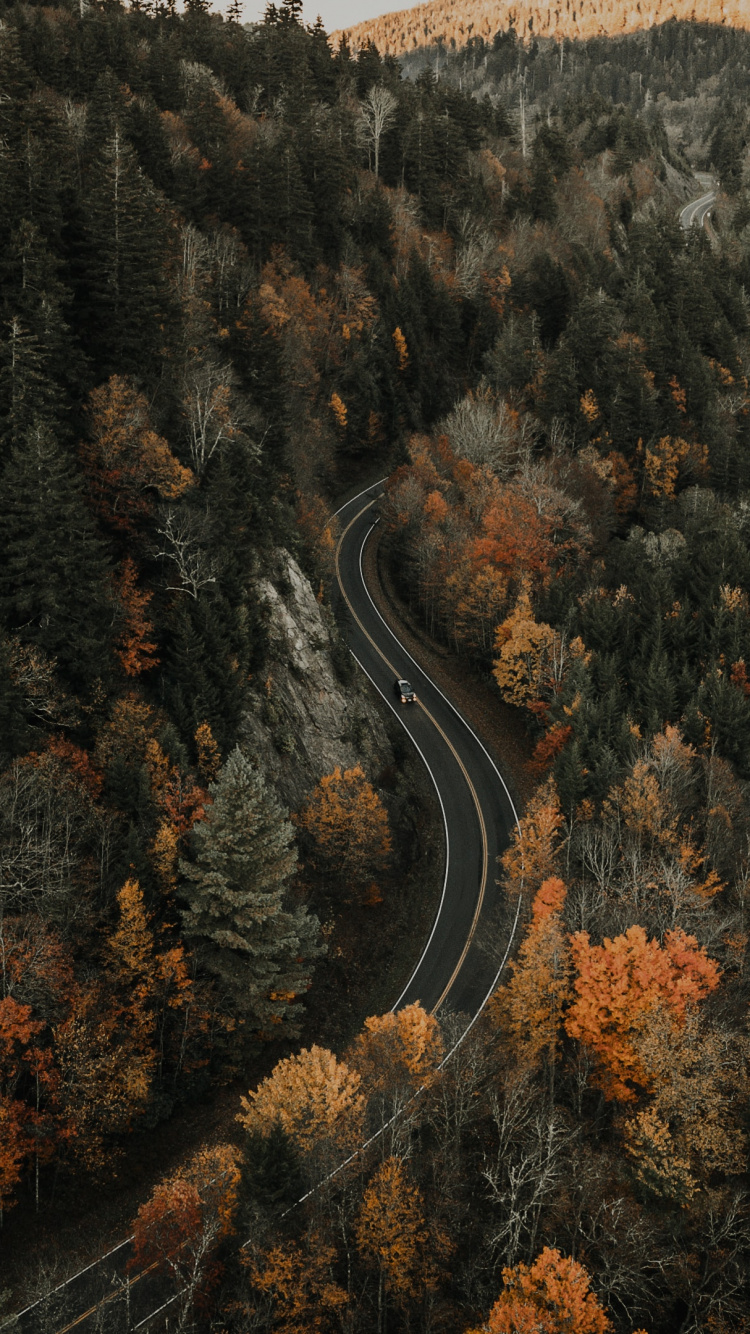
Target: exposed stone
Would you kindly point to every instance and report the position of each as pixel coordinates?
(303, 719)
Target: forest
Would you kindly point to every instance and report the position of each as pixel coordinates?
(406, 32)
(243, 273)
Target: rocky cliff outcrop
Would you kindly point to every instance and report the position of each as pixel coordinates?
(311, 711)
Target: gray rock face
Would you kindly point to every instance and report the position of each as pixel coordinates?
(303, 720)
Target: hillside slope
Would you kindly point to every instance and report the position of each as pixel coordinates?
(456, 23)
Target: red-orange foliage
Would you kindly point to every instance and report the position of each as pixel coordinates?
(549, 746)
(25, 1068)
(620, 984)
(187, 1215)
(79, 762)
(134, 647)
(551, 1296)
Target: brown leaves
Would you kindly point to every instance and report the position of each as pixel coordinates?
(398, 1050)
(391, 1233)
(301, 1284)
(530, 1007)
(533, 854)
(125, 459)
(348, 826)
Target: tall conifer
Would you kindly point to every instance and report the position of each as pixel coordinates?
(233, 890)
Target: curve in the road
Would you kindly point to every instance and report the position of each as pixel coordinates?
(477, 807)
(478, 816)
(697, 212)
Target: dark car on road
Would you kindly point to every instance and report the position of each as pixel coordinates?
(404, 692)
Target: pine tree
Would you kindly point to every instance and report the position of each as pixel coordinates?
(124, 291)
(54, 584)
(233, 890)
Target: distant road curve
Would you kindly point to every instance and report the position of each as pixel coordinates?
(697, 212)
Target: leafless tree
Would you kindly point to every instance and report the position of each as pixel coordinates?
(213, 411)
(184, 545)
(481, 429)
(376, 114)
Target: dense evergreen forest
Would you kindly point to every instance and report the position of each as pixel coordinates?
(240, 272)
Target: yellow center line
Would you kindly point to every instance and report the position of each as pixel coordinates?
(106, 1300)
(451, 747)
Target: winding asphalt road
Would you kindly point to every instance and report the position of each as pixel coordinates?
(698, 211)
(478, 812)
(450, 966)
(451, 969)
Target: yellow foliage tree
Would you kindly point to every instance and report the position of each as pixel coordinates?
(338, 408)
(402, 351)
(207, 753)
(533, 854)
(313, 1096)
(348, 825)
(392, 1237)
(126, 461)
(524, 649)
(396, 1054)
(299, 1281)
(529, 1008)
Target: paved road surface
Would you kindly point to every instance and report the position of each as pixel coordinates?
(477, 809)
(697, 212)
(450, 967)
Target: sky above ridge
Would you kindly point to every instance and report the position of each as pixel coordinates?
(334, 13)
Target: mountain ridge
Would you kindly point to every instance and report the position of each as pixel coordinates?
(406, 30)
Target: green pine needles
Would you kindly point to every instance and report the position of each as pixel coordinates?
(234, 891)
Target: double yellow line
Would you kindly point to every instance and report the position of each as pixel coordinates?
(451, 747)
(105, 1301)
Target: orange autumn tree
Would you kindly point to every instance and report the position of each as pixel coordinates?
(126, 462)
(620, 985)
(533, 854)
(134, 646)
(348, 826)
(551, 1296)
(406, 1046)
(532, 658)
(529, 1008)
(299, 1280)
(316, 1099)
(396, 1055)
(392, 1236)
(18, 1045)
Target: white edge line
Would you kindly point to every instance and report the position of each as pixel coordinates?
(460, 716)
(100, 1259)
(416, 745)
(67, 1281)
(161, 1308)
(371, 487)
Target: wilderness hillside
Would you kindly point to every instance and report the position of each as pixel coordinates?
(242, 274)
(454, 22)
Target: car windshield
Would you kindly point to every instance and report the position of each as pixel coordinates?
(405, 687)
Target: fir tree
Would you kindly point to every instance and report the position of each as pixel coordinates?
(54, 584)
(233, 891)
